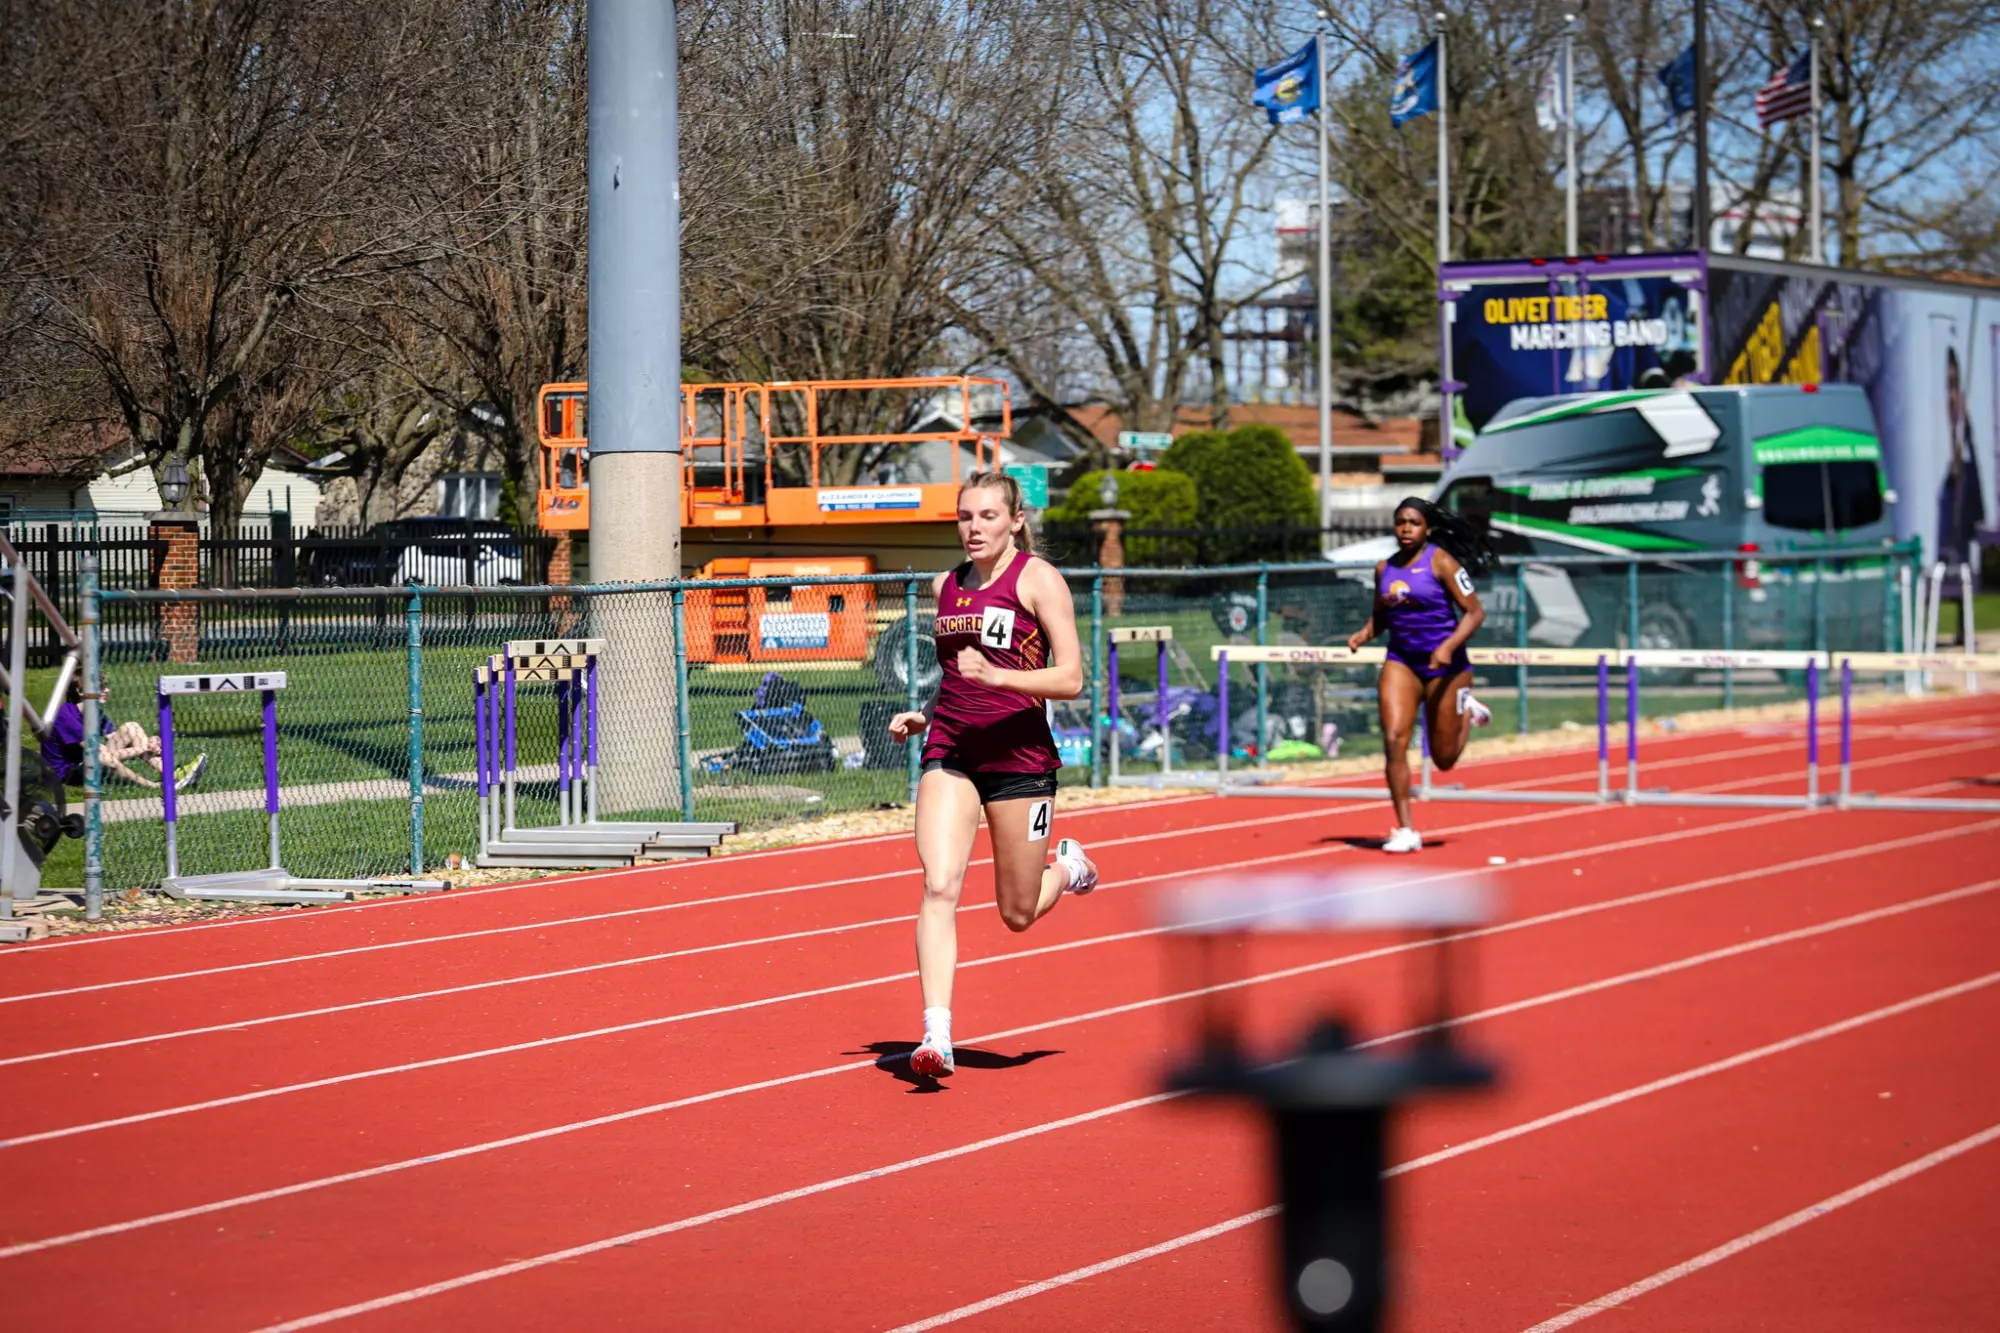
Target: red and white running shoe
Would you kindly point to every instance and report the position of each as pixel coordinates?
(932, 1058)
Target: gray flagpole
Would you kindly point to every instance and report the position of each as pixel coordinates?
(1818, 250)
(1569, 132)
(1324, 282)
(1444, 159)
(1701, 201)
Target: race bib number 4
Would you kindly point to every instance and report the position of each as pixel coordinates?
(1040, 815)
(1464, 582)
(996, 627)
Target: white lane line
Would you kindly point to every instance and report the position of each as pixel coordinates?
(652, 909)
(580, 919)
(909, 1164)
(664, 870)
(1402, 1168)
(1089, 1271)
(908, 872)
(325, 1010)
(383, 1071)
(1496, 1011)
(865, 879)
(538, 1043)
(835, 845)
(1791, 1222)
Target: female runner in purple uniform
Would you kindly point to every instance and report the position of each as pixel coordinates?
(1416, 591)
(1006, 640)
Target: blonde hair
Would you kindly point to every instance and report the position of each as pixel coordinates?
(1016, 505)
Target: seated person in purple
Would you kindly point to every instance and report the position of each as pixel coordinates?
(62, 746)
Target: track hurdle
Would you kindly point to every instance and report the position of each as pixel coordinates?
(1162, 636)
(579, 839)
(267, 884)
(1911, 664)
(1159, 636)
(1633, 660)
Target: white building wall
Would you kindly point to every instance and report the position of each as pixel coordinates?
(135, 495)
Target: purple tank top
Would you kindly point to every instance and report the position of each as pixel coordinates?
(979, 727)
(1419, 611)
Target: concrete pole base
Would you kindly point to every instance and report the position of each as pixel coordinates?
(635, 536)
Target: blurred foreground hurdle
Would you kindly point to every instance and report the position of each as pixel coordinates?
(1815, 665)
(1329, 1103)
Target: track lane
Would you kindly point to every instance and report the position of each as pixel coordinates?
(1036, 1196)
(100, 1080)
(399, 921)
(1500, 1228)
(357, 982)
(1910, 1254)
(244, 1126)
(456, 1192)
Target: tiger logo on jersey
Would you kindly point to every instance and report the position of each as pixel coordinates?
(1399, 592)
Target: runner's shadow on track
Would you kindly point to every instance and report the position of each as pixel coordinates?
(1375, 844)
(893, 1059)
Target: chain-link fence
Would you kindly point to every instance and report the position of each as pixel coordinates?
(762, 702)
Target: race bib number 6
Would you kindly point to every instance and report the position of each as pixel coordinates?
(1464, 582)
(996, 627)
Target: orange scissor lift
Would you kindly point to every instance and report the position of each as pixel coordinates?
(746, 449)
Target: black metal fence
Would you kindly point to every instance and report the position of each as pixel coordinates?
(267, 552)
(127, 557)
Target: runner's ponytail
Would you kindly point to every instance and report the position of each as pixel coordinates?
(1017, 506)
(1456, 534)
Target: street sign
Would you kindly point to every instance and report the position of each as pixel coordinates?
(1142, 440)
(1034, 479)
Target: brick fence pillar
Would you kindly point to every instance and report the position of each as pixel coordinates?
(561, 571)
(1109, 525)
(179, 567)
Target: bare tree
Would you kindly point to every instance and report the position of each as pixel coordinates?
(213, 168)
(1134, 209)
(834, 236)
(1912, 94)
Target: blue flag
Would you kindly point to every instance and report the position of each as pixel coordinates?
(1290, 88)
(1677, 75)
(1416, 90)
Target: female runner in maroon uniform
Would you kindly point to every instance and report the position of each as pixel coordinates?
(1006, 640)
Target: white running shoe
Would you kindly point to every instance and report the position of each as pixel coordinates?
(1081, 869)
(1480, 714)
(932, 1059)
(1403, 840)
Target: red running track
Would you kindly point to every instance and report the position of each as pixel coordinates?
(1740, 1086)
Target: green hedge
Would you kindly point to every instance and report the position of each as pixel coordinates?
(1251, 477)
(1155, 500)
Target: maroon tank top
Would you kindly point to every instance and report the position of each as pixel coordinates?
(980, 728)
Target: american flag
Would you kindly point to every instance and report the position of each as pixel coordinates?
(1787, 93)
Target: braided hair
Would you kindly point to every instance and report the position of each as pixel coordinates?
(1464, 539)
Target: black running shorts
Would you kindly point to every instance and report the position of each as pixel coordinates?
(1000, 786)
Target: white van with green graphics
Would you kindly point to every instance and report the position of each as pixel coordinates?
(1767, 471)
(1774, 468)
